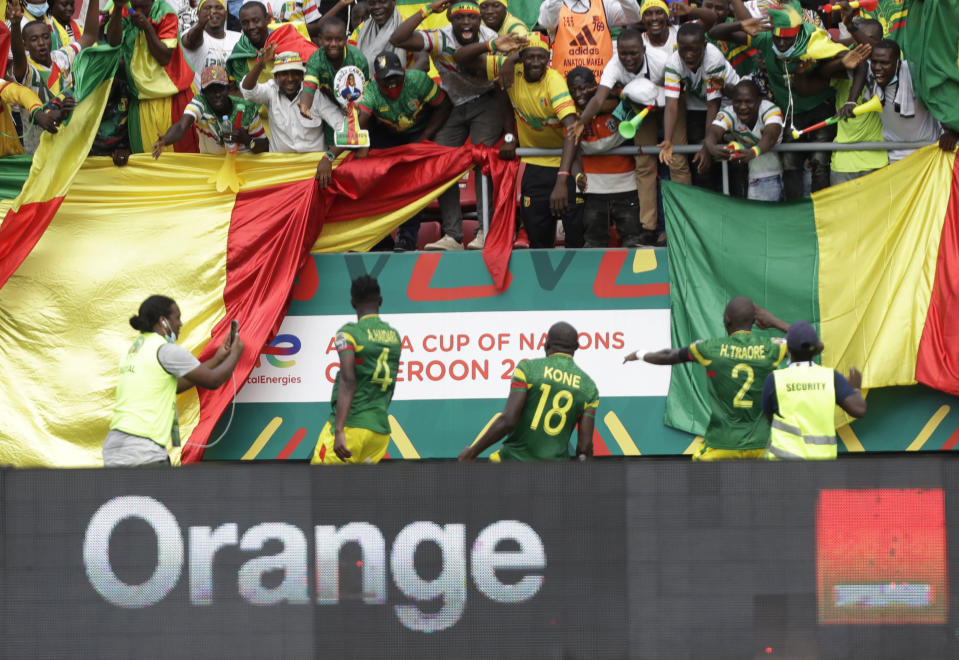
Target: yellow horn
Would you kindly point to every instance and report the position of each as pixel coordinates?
(872, 105)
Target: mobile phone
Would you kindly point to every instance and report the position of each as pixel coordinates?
(234, 328)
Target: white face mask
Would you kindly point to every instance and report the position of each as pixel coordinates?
(170, 336)
(784, 53)
(38, 10)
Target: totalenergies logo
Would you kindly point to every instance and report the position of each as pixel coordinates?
(282, 345)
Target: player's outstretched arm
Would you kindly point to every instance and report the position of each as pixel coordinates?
(500, 426)
(664, 356)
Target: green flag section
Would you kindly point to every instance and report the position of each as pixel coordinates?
(891, 14)
(930, 39)
(721, 247)
(873, 263)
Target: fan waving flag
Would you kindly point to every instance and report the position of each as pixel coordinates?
(122, 234)
(58, 158)
(286, 36)
(881, 283)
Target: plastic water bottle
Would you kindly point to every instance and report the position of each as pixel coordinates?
(226, 132)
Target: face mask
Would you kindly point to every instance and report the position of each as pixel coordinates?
(393, 93)
(170, 336)
(785, 53)
(38, 10)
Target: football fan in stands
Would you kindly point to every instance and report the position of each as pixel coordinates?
(700, 71)
(628, 66)
(499, 20)
(208, 42)
(290, 131)
(45, 71)
(543, 114)
(555, 381)
(608, 181)
(220, 119)
(757, 126)
(575, 23)
(148, 39)
(334, 53)
(410, 106)
(476, 112)
(737, 365)
(904, 117)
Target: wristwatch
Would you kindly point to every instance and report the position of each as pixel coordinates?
(509, 138)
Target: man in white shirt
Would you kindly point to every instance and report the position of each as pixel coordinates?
(208, 42)
(904, 117)
(290, 131)
(476, 112)
(701, 71)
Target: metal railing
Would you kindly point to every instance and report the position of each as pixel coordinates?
(653, 150)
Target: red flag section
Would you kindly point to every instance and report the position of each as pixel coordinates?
(272, 230)
(937, 363)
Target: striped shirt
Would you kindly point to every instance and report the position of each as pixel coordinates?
(696, 83)
(766, 164)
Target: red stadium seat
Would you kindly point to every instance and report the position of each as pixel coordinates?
(429, 232)
(834, 33)
(469, 230)
(467, 198)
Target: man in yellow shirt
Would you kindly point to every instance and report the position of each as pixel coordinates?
(499, 20)
(543, 113)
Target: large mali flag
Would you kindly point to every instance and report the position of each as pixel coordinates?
(873, 263)
(121, 234)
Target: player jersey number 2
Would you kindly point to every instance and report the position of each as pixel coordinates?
(554, 419)
(740, 400)
(381, 374)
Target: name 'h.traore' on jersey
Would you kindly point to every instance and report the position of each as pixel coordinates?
(376, 346)
(558, 394)
(737, 367)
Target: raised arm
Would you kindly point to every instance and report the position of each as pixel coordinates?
(91, 23)
(405, 35)
(15, 15)
(115, 26)
(764, 318)
(253, 75)
(193, 38)
(212, 377)
(316, 27)
(737, 32)
(159, 50)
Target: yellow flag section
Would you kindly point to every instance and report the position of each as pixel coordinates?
(120, 235)
(878, 244)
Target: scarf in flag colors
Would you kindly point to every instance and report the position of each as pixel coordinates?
(872, 263)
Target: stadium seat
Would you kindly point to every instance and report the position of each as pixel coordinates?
(469, 230)
(834, 33)
(430, 231)
(467, 199)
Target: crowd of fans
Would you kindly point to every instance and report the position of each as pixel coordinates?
(736, 77)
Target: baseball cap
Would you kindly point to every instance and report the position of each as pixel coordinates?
(213, 75)
(387, 64)
(288, 60)
(802, 337)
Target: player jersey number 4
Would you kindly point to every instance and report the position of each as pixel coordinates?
(376, 349)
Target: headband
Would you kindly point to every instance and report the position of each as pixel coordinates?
(464, 8)
(649, 4)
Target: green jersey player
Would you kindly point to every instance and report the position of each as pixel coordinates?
(358, 429)
(736, 366)
(548, 398)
